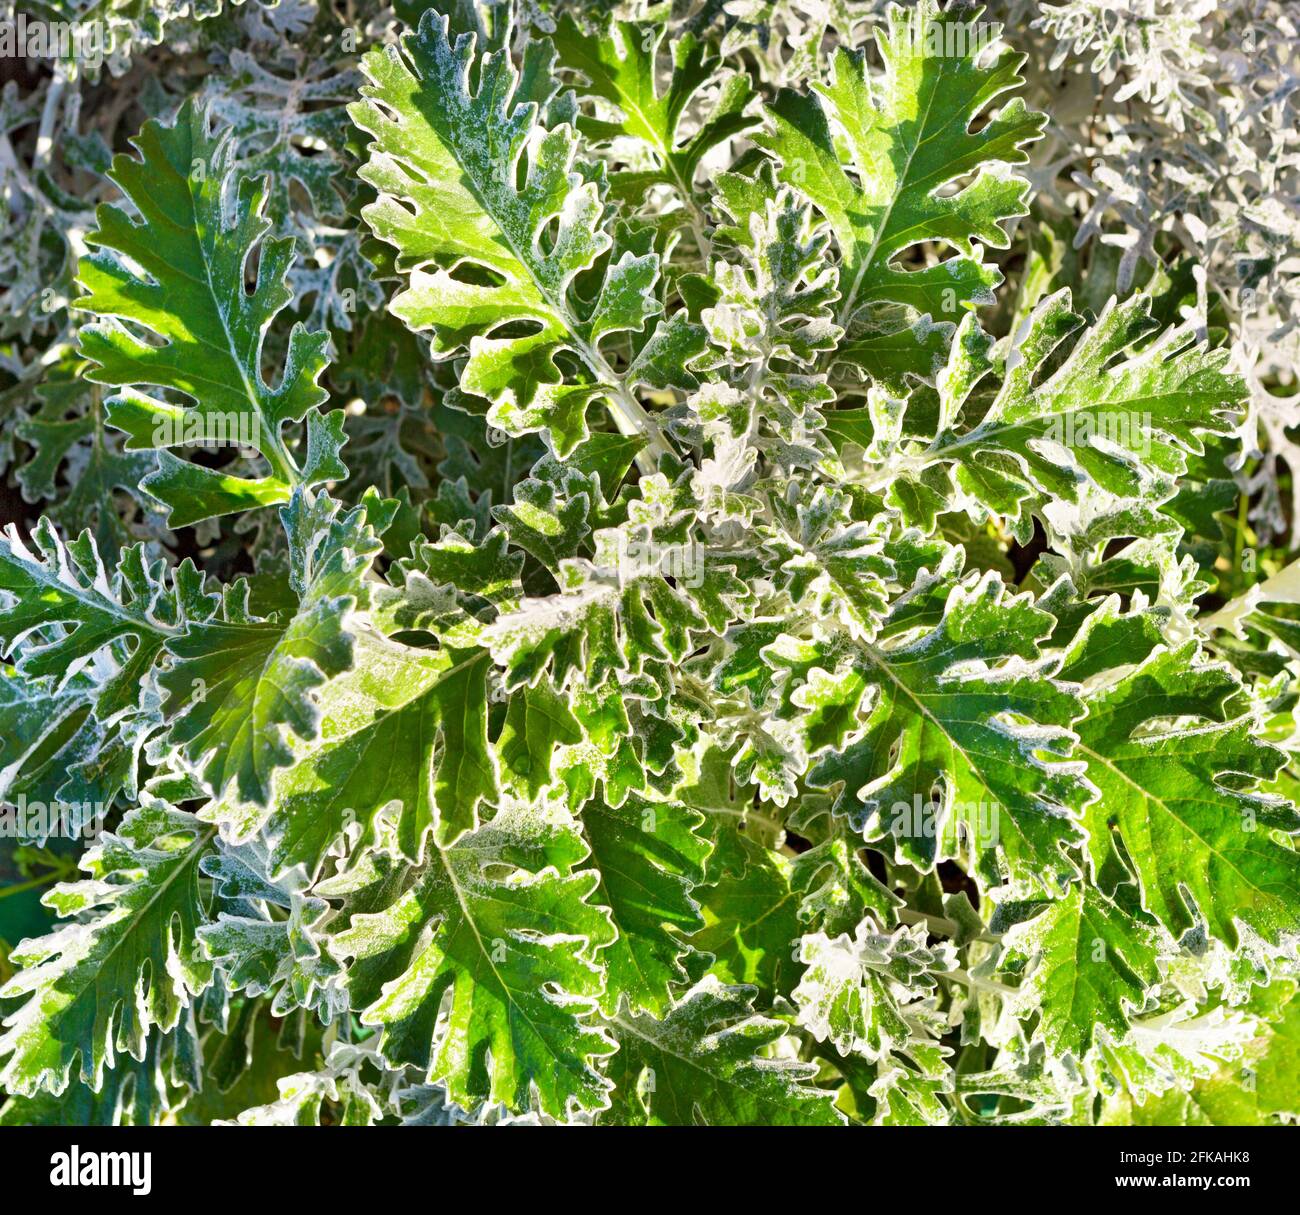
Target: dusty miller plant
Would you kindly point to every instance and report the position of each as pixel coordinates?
(648, 569)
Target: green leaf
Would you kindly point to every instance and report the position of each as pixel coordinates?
(43, 733)
(870, 993)
(68, 584)
(649, 855)
(538, 720)
(237, 684)
(503, 923)
(751, 915)
(180, 277)
(618, 64)
(270, 941)
(727, 684)
(1118, 411)
(342, 1093)
(405, 732)
(78, 465)
(648, 590)
(86, 642)
(704, 1063)
(452, 142)
(135, 1092)
(130, 961)
(1260, 1089)
(1175, 769)
(907, 134)
(961, 738)
(541, 522)
(1092, 964)
(773, 321)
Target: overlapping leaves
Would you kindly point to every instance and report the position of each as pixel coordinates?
(731, 685)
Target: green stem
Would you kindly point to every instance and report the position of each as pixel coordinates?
(31, 884)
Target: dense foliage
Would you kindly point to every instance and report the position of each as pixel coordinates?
(716, 562)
